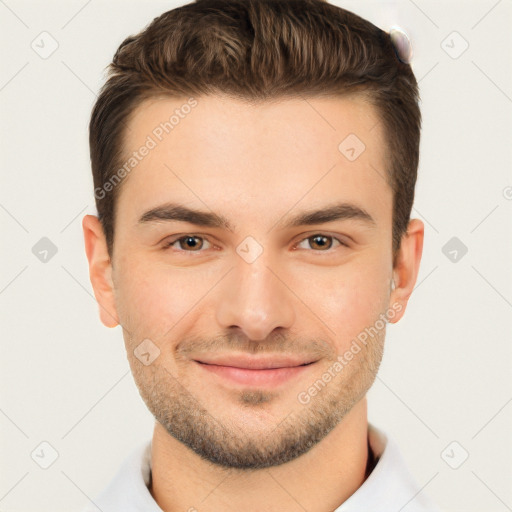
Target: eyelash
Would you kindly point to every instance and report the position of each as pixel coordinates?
(169, 244)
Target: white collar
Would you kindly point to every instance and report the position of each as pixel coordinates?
(389, 488)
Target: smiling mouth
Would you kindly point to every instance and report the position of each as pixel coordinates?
(255, 372)
(251, 362)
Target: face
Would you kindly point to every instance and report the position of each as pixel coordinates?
(251, 254)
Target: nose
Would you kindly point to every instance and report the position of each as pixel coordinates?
(254, 298)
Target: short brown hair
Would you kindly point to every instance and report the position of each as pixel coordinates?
(257, 50)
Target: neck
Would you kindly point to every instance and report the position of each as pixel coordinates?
(321, 479)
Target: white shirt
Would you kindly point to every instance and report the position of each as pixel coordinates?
(389, 487)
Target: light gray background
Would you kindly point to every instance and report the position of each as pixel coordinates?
(446, 371)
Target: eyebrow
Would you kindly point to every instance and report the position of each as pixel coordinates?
(178, 212)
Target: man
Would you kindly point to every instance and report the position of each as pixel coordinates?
(254, 166)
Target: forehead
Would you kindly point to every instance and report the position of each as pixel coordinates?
(255, 157)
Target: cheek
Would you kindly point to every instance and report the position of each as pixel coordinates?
(343, 301)
(151, 302)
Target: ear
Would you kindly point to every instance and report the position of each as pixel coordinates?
(405, 271)
(100, 269)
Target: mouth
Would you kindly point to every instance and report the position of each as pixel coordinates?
(268, 371)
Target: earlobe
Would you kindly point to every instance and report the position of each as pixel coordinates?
(407, 266)
(100, 269)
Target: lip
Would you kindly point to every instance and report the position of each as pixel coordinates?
(253, 371)
(248, 362)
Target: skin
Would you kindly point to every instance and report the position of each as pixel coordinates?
(257, 165)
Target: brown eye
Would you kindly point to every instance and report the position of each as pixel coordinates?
(320, 242)
(189, 243)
